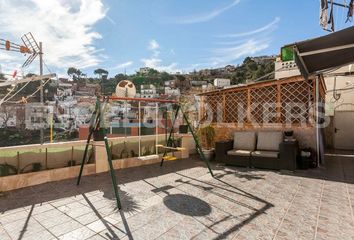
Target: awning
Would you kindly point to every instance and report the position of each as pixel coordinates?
(320, 54)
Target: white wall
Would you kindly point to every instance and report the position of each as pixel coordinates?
(286, 69)
(222, 82)
(346, 100)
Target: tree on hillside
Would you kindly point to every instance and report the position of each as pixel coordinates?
(120, 76)
(153, 72)
(165, 76)
(2, 76)
(74, 73)
(100, 72)
(181, 78)
(138, 81)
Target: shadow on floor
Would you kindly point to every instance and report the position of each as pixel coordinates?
(248, 174)
(337, 167)
(187, 205)
(67, 188)
(192, 206)
(109, 226)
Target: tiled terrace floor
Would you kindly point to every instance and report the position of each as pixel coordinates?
(182, 201)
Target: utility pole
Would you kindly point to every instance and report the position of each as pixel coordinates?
(41, 92)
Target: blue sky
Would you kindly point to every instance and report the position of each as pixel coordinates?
(170, 35)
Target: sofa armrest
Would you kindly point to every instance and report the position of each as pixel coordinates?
(288, 151)
(221, 149)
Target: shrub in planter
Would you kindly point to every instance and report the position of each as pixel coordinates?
(177, 142)
(71, 163)
(7, 169)
(206, 136)
(36, 167)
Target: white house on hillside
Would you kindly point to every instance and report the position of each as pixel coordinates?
(148, 91)
(221, 82)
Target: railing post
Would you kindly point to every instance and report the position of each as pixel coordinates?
(18, 162)
(279, 102)
(46, 158)
(139, 129)
(249, 105)
(156, 129)
(111, 150)
(224, 108)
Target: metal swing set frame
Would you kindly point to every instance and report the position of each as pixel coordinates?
(97, 127)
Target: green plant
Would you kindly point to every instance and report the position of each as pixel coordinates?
(146, 151)
(133, 154)
(7, 169)
(71, 163)
(177, 141)
(207, 136)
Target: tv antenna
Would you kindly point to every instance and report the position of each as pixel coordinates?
(29, 46)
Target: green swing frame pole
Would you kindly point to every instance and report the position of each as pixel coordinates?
(197, 144)
(93, 125)
(113, 175)
(172, 128)
(109, 156)
(171, 132)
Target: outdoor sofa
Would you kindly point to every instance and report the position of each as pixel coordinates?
(264, 149)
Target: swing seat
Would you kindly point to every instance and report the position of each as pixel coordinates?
(171, 148)
(149, 157)
(169, 158)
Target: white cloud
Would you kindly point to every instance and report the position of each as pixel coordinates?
(65, 28)
(6, 57)
(153, 45)
(111, 20)
(269, 27)
(172, 52)
(230, 54)
(239, 48)
(204, 17)
(155, 61)
(122, 65)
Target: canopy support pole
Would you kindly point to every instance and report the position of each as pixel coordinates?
(317, 121)
(139, 123)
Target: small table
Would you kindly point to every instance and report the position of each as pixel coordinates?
(289, 158)
(221, 148)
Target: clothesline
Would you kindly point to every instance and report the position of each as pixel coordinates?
(328, 19)
(339, 4)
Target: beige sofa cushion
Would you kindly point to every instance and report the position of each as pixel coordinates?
(239, 153)
(269, 141)
(265, 154)
(245, 141)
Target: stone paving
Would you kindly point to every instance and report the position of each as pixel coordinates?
(182, 201)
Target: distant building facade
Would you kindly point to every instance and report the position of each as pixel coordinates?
(148, 91)
(144, 70)
(222, 82)
(172, 91)
(285, 69)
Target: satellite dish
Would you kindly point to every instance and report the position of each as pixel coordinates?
(125, 88)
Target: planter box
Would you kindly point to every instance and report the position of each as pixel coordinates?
(34, 178)
(57, 156)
